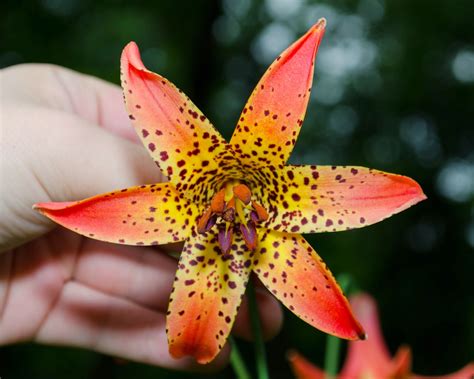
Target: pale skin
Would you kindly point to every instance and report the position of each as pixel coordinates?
(65, 136)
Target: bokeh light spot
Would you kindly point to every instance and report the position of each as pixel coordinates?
(456, 181)
(463, 66)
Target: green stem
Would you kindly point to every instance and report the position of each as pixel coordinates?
(237, 362)
(331, 361)
(261, 362)
(333, 344)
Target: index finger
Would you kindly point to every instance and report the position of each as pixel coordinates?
(97, 101)
(92, 99)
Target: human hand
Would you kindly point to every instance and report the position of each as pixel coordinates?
(66, 136)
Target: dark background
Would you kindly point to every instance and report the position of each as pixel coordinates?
(394, 90)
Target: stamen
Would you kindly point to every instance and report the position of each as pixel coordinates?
(261, 211)
(218, 202)
(225, 238)
(250, 235)
(204, 221)
(236, 210)
(254, 216)
(242, 192)
(212, 221)
(229, 212)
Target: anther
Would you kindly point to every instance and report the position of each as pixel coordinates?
(207, 221)
(261, 211)
(218, 202)
(225, 238)
(249, 233)
(254, 216)
(242, 192)
(235, 211)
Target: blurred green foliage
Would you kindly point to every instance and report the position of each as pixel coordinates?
(394, 90)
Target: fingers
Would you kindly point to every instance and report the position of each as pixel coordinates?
(96, 101)
(84, 160)
(52, 108)
(53, 148)
(55, 87)
(145, 276)
(52, 162)
(87, 318)
(30, 284)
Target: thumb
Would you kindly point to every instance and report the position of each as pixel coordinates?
(52, 155)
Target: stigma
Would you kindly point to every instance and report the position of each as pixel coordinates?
(232, 210)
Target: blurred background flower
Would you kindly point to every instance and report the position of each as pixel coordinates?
(394, 90)
(370, 359)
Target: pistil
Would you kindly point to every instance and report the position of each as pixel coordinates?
(232, 209)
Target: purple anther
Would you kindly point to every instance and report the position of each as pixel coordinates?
(225, 239)
(249, 233)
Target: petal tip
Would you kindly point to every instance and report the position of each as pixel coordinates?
(131, 56)
(317, 30)
(53, 206)
(203, 360)
(412, 191)
(200, 356)
(175, 352)
(43, 207)
(320, 24)
(362, 336)
(359, 333)
(132, 45)
(417, 192)
(39, 207)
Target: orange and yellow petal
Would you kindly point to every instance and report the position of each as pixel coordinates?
(302, 368)
(180, 139)
(207, 293)
(311, 199)
(146, 215)
(272, 118)
(290, 268)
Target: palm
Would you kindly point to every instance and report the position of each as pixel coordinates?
(64, 288)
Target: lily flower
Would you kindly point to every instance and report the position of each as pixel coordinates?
(237, 206)
(370, 359)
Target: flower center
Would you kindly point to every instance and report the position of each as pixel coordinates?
(232, 210)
